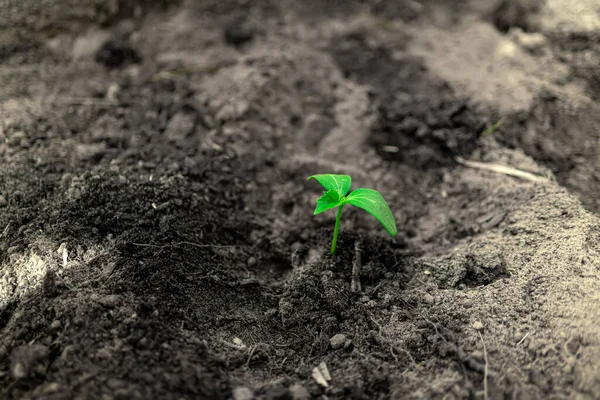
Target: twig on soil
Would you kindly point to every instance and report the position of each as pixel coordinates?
(212, 143)
(252, 350)
(355, 286)
(523, 339)
(485, 368)
(501, 169)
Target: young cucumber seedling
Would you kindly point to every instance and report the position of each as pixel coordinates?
(336, 195)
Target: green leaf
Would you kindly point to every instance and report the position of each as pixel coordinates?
(330, 199)
(490, 129)
(373, 202)
(339, 183)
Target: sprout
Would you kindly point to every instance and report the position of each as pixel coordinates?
(336, 195)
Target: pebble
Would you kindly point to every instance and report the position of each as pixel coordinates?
(429, 299)
(337, 341)
(55, 325)
(85, 46)
(3, 201)
(242, 393)
(109, 301)
(251, 262)
(180, 126)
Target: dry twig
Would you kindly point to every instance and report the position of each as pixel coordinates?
(501, 169)
(485, 368)
(355, 286)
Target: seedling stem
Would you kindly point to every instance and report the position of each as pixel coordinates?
(336, 230)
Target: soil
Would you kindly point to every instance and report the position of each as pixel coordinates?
(156, 231)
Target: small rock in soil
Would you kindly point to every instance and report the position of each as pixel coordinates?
(109, 301)
(242, 393)
(251, 262)
(85, 46)
(337, 341)
(3, 201)
(55, 325)
(429, 299)
(115, 53)
(180, 126)
(299, 392)
(29, 361)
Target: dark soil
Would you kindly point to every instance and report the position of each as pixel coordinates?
(156, 231)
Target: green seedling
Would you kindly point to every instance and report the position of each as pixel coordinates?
(336, 195)
(490, 129)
